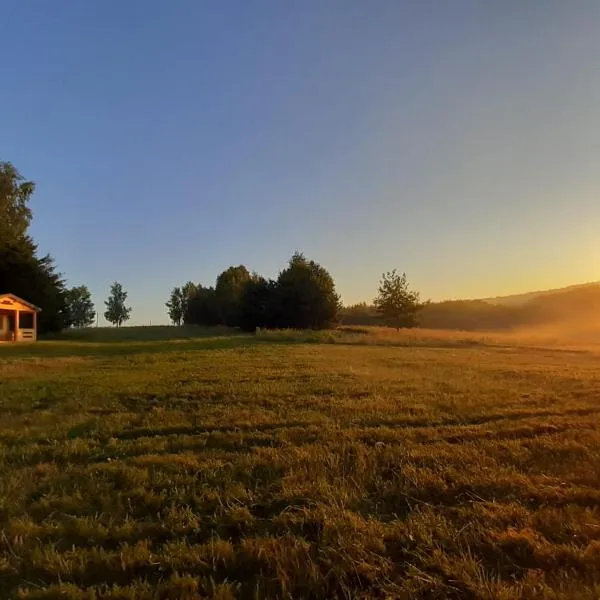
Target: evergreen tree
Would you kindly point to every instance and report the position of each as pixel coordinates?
(22, 271)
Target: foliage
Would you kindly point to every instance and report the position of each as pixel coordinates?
(247, 466)
(472, 315)
(306, 296)
(175, 306)
(35, 280)
(116, 310)
(303, 297)
(359, 314)
(258, 304)
(396, 303)
(187, 292)
(15, 214)
(79, 307)
(228, 292)
(576, 307)
(202, 308)
(22, 271)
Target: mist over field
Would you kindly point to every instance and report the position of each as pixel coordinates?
(570, 314)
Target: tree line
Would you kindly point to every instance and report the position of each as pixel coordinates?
(80, 310)
(571, 306)
(25, 273)
(303, 296)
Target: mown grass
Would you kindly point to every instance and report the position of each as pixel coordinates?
(348, 464)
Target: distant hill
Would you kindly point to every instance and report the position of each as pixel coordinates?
(519, 299)
(575, 305)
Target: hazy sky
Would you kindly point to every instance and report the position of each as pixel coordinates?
(456, 141)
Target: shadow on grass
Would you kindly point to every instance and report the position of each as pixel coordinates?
(53, 349)
(128, 341)
(105, 341)
(65, 347)
(128, 344)
(156, 333)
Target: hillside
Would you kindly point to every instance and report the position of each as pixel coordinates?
(519, 299)
(574, 309)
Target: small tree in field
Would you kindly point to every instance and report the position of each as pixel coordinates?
(79, 307)
(396, 303)
(116, 312)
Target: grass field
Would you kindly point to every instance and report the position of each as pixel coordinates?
(345, 464)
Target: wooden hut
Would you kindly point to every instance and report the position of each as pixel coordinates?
(18, 319)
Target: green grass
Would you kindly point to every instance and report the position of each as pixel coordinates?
(166, 463)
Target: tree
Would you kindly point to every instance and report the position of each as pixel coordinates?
(116, 312)
(22, 271)
(202, 308)
(35, 279)
(228, 291)
(303, 296)
(175, 306)
(15, 193)
(306, 296)
(188, 290)
(178, 302)
(258, 304)
(396, 303)
(359, 314)
(79, 307)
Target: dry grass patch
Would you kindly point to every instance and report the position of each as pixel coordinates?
(343, 464)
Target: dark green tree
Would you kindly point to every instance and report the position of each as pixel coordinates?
(228, 291)
(22, 271)
(15, 193)
(36, 280)
(202, 308)
(79, 307)
(359, 314)
(396, 303)
(188, 291)
(306, 296)
(175, 306)
(258, 304)
(116, 312)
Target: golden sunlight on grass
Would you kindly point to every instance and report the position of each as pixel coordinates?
(358, 463)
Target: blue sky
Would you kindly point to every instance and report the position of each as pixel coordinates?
(456, 141)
